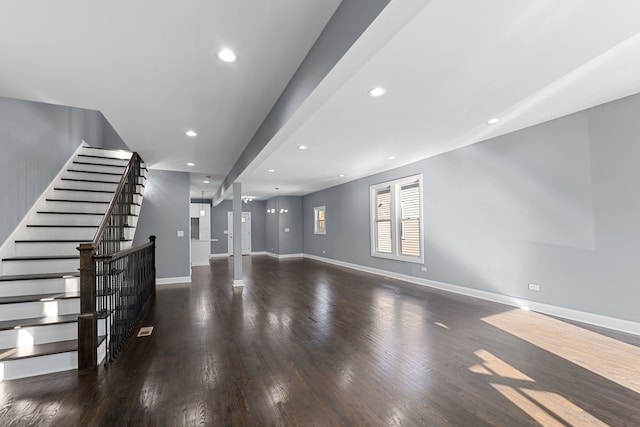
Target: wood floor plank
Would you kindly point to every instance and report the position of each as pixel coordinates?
(310, 344)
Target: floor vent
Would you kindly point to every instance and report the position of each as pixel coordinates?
(146, 331)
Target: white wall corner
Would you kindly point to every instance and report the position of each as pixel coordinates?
(224, 255)
(284, 256)
(173, 280)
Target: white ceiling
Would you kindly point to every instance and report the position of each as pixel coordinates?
(454, 66)
(151, 67)
(448, 65)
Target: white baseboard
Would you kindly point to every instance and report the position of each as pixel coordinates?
(172, 280)
(218, 255)
(553, 310)
(227, 255)
(200, 264)
(284, 256)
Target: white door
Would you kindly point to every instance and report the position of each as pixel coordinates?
(200, 234)
(246, 233)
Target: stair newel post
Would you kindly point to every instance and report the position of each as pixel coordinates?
(152, 239)
(87, 320)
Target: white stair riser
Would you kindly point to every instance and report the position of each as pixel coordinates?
(80, 195)
(101, 327)
(100, 208)
(36, 287)
(92, 176)
(102, 352)
(98, 168)
(83, 234)
(32, 366)
(38, 267)
(104, 324)
(29, 310)
(102, 161)
(133, 221)
(34, 335)
(105, 153)
(41, 249)
(96, 186)
(64, 219)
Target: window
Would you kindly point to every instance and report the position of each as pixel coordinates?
(319, 220)
(396, 219)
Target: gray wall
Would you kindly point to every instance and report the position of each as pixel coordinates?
(110, 138)
(36, 140)
(272, 236)
(278, 240)
(555, 204)
(291, 241)
(219, 218)
(165, 210)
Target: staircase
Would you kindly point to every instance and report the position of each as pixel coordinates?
(39, 281)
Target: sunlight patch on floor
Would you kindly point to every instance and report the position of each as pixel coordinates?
(545, 407)
(549, 409)
(494, 365)
(610, 358)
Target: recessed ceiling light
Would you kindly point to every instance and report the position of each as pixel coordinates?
(493, 121)
(191, 164)
(190, 133)
(227, 55)
(341, 175)
(302, 147)
(206, 182)
(391, 157)
(271, 170)
(377, 92)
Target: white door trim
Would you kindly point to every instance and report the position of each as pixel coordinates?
(246, 229)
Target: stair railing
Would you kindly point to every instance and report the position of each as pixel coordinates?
(115, 284)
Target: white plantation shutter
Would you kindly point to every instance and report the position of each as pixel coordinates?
(383, 220)
(396, 219)
(410, 219)
(319, 220)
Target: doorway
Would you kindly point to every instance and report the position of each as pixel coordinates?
(200, 233)
(246, 233)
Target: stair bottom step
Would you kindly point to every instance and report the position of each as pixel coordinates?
(38, 364)
(38, 350)
(42, 359)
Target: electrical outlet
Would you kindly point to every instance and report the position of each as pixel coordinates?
(534, 287)
(180, 233)
(324, 252)
(423, 268)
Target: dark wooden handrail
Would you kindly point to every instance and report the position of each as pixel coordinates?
(122, 253)
(114, 201)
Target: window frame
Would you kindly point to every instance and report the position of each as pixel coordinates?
(396, 220)
(316, 211)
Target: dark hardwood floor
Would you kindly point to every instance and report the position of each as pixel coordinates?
(311, 344)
